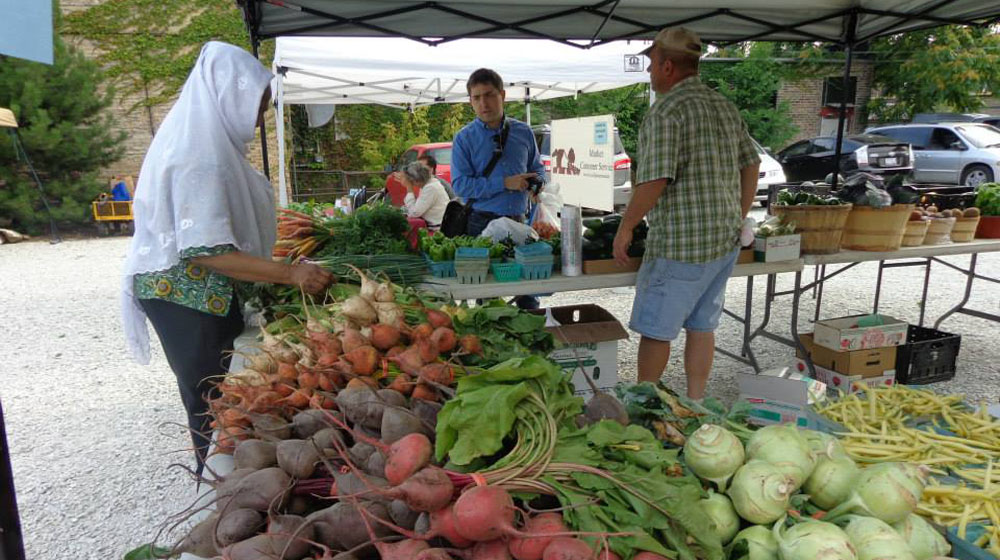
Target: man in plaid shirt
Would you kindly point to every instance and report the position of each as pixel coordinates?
(697, 178)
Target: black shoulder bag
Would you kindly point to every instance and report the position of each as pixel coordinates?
(456, 215)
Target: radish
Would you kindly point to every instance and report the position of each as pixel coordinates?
(434, 554)
(484, 513)
(428, 349)
(438, 319)
(402, 550)
(237, 525)
(439, 373)
(384, 336)
(262, 490)
(532, 548)
(255, 454)
(352, 339)
(429, 490)
(410, 360)
(470, 344)
(363, 359)
(406, 456)
(565, 548)
(423, 330)
(490, 550)
(444, 338)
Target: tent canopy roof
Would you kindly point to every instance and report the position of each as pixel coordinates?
(399, 72)
(608, 20)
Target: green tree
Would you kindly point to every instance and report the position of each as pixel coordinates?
(752, 85)
(64, 130)
(149, 46)
(943, 68)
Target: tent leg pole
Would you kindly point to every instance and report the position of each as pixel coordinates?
(527, 105)
(852, 28)
(263, 129)
(20, 152)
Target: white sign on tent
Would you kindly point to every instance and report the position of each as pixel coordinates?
(583, 153)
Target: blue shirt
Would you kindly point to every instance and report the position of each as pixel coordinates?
(472, 150)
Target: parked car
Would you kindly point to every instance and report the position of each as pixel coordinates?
(622, 163)
(812, 159)
(771, 173)
(935, 118)
(952, 153)
(440, 151)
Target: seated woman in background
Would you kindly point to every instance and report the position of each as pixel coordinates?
(432, 200)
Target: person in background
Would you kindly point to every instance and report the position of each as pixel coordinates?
(119, 192)
(432, 201)
(502, 193)
(204, 219)
(697, 177)
(432, 164)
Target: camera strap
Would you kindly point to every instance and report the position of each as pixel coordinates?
(498, 152)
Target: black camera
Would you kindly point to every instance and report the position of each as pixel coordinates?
(535, 184)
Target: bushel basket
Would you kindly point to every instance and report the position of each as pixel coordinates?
(821, 226)
(876, 229)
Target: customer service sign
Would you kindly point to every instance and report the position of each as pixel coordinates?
(583, 156)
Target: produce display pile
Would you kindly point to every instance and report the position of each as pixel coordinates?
(321, 230)
(959, 444)
(379, 423)
(599, 236)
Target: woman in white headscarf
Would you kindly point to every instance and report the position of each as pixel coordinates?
(204, 218)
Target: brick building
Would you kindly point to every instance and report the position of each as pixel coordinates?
(141, 123)
(814, 102)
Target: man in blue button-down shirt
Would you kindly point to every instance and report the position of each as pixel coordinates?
(504, 192)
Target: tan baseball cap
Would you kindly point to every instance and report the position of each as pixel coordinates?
(677, 39)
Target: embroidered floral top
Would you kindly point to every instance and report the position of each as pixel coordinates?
(189, 284)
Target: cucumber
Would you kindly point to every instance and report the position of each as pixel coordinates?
(612, 221)
(593, 223)
(590, 233)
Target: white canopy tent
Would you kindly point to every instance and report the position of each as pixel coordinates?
(403, 74)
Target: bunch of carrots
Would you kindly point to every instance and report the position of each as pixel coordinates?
(297, 235)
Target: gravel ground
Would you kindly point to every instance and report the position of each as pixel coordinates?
(91, 433)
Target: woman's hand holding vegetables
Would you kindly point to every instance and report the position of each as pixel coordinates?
(310, 277)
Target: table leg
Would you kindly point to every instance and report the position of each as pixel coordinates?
(815, 281)
(820, 281)
(970, 275)
(923, 297)
(747, 312)
(878, 285)
(796, 299)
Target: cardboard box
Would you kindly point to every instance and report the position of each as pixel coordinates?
(843, 334)
(871, 362)
(746, 256)
(848, 383)
(588, 336)
(777, 248)
(780, 400)
(610, 266)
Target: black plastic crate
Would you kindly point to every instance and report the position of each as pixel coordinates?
(928, 356)
(946, 197)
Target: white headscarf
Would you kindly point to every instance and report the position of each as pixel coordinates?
(196, 187)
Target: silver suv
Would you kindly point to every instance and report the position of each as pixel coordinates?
(953, 153)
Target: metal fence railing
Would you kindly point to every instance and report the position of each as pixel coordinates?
(329, 185)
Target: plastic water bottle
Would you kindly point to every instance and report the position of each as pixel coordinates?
(572, 240)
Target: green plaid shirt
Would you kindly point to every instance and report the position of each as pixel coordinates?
(695, 138)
